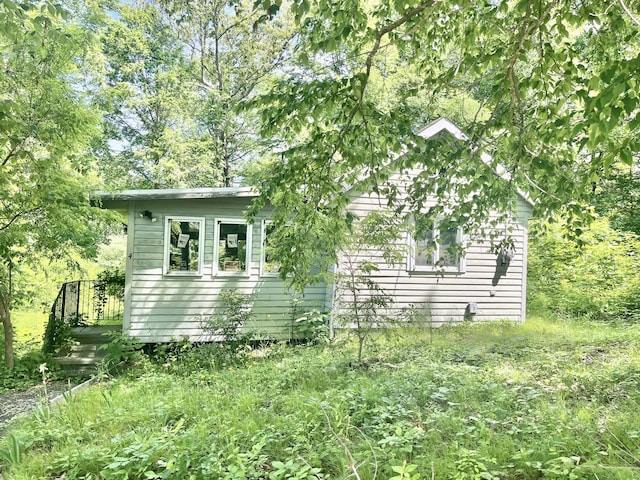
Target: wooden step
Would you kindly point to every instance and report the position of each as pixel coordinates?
(94, 334)
(87, 351)
(80, 371)
(70, 361)
(96, 353)
(87, 347)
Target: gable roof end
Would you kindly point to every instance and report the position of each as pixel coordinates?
(443, 124)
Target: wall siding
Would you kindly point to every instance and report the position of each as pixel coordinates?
(159, 308)
(444, 297)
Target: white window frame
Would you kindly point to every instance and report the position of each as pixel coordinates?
(216, 246)
(263, 239)
(460, 266)
(167, 242)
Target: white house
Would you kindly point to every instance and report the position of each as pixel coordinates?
(186, 245)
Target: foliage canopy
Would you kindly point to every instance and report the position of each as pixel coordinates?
(596, 280)
(175, 72)
(549, 90)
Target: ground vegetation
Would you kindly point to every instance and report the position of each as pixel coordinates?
(548, 399)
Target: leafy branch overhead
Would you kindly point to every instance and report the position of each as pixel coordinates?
(549, 90)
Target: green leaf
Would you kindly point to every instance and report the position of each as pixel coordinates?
(626, 157)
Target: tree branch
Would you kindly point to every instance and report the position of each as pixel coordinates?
(385, 31)
(369, 63)
(10, 221)
(629, 12)
(352, 462)
(12, 153)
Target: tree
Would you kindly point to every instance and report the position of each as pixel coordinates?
(151, 135)
(362, 303)
(44, 123)
(233, 56)
(597, 279)
(617, 197)
(551, 80)
(176, 72)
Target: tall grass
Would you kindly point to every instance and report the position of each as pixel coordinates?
(540, 400)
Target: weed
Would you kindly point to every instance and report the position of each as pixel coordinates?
(405, 472)
(42, 412)
(471, 466)
(121, 348)
(419, 316)
(227, 327)
(170, 352)
(313, 326)
(404, 438)
(12, 451)
(295, 470)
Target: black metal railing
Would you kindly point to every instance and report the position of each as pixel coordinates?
(83, 302)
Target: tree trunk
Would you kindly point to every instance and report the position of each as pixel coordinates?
(226, 158)
(5, 314)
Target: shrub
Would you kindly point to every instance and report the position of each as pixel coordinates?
(228, 326)
(121, 348)
(312, 326)
(596, 280)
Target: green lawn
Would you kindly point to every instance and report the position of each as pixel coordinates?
(541, 400)
(29, 328)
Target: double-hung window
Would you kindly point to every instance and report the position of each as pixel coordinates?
(231, 246)
(183, 240)
(437, 250)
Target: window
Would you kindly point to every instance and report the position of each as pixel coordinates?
(232, 247)
(183, 239)
(268, 267)
(437, 250)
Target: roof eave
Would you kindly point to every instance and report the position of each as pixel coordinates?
(174, 194)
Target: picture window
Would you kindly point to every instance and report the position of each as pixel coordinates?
(183, 241)
(232, 246)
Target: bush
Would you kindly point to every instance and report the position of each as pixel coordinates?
(312, 327)
(25, 372)
(228, 326)
(597, 280)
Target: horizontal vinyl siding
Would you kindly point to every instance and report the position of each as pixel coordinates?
(161, 307)
(445, 296)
